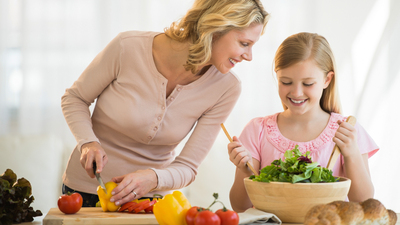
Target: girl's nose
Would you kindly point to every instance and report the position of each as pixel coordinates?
(297, 91)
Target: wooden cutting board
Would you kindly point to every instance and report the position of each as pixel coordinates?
(95, 215)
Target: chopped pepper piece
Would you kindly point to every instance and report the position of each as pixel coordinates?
(104, 198)
(171, 209)
(144, 205)
(126, 206)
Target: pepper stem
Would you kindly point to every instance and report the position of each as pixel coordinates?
(158, 196)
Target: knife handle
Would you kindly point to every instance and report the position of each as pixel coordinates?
(94, 167)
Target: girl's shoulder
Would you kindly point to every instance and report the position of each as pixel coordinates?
(260, 123)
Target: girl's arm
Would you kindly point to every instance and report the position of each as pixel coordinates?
(355, 165)
(239, 199)
(239, 156)
(356, 168)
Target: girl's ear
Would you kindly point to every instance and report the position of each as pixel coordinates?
(328, 79)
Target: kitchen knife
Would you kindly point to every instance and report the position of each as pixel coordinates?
(99, 178)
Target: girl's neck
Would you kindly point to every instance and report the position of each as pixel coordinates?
(306, 118)
(302, 127)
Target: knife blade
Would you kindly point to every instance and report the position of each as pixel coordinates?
(99, 178)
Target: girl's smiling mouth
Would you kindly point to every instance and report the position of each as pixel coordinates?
(297, 101)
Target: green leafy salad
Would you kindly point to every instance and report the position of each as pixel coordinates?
(295, 168)
(15, 199)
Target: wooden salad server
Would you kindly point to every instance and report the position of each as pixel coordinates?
(336, 151)
(230, 139)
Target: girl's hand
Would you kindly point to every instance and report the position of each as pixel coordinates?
(93, 152)
(346, 139)
(133, 186)
(239, 156)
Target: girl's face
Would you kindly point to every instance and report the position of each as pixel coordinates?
(301, 86)
(234, 46)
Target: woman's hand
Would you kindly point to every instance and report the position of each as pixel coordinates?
(133, 186)
(93, 152)
(346, 139)
(239, 156)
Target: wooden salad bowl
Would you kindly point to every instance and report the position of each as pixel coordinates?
(290, 202)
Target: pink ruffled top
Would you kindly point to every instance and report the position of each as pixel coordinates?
(261, 136)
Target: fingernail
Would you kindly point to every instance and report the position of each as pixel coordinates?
(117, 203)
(112, 199)
(113, 193)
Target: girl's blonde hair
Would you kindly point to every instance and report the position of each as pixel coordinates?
(207, 18)
(303, 46)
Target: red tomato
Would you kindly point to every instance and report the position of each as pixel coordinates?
(70, 203)
(207, 218)
(191, 214)
(228, 217)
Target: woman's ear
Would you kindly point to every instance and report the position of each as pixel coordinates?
(328, 79)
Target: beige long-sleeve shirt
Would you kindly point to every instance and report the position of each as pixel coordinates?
(134, 121)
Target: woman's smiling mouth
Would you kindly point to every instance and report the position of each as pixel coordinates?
(233, 62)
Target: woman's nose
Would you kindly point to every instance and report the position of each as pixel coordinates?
(248, 55)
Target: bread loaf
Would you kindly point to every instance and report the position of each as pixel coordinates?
(370, 211)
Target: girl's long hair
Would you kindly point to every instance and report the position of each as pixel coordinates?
(303, 46)
(212, 18)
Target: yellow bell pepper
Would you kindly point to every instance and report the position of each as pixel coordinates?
(171, 209)
(104, 198)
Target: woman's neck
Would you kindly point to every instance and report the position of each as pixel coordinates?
(170, 56)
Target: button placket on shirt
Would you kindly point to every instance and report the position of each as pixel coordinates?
(159, 118)
(173, 95)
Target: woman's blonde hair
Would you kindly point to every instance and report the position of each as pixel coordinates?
(207, 18)
(303, 46)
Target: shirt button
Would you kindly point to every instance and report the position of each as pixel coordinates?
(163, 107)
(179, 89)
(155, 128)
(149, 137)
(172, 98)
(159, 118)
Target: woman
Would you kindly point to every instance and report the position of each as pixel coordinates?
(151, 90)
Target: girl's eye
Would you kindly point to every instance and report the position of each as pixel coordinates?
(286, 83)
(307, 85)
(244, 44)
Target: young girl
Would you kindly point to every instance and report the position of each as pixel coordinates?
(305, 69)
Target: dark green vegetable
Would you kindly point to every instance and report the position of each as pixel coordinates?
(15, 199)
(295, 168)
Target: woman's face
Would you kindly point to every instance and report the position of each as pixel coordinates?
(301, 86)
(234, 46)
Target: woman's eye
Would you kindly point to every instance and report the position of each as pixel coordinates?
(308, 84)
(286, 83)
(245, 44)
